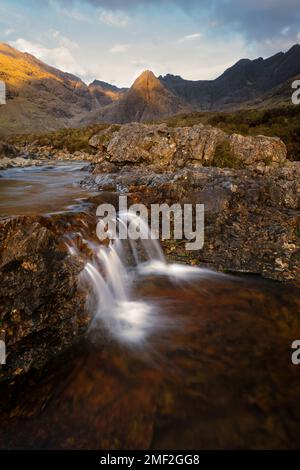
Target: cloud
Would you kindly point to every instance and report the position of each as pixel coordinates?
(117, 48)
(68, 11)
(59, 57)
(113, 18)
(190, 37)
(255, 19)
(62, 40)
(259, 19)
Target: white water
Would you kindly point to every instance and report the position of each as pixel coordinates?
(110, 276)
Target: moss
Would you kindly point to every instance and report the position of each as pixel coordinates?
(223, 157)
(297, 232)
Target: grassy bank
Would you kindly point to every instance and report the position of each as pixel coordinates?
(282, 122)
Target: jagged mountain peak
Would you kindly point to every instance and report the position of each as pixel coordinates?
(147, 81)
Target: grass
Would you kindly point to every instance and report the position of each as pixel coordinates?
(223, 157)
(283, 122)
(70, 140)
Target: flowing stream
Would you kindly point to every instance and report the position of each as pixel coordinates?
(112, 272)
(177, 357)
(42, 189)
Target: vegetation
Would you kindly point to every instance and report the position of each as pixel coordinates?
(223, 157)
(70, 140)
(282, 122)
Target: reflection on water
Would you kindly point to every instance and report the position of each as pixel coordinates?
(43, 189)
(219, 375)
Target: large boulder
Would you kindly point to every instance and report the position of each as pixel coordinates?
(169, 148)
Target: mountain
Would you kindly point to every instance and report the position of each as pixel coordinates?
(148, 99)
(246, 81)
(39, 97)
(105, 93)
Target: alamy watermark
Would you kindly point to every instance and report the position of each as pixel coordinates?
(2, 350)
(180, 222)
(2, 92)
(296, 94)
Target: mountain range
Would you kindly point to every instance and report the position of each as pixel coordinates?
(42, 98)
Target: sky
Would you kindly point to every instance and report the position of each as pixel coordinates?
(115, 40)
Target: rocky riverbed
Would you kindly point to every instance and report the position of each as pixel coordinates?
(252, 226)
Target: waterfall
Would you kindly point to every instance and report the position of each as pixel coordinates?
(110, 272)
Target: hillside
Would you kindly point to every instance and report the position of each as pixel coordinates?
(147, 99)
(247, 83)
(283, 122)
(105, 93)
(41, 98)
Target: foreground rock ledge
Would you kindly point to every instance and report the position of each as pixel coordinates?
(41, 309)
(252, 218)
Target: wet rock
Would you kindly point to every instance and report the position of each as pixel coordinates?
(41, 309)
(18, 162)
(252, 218)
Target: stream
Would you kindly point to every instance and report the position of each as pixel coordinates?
(176, 357)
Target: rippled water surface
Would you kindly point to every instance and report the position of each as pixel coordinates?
(42, 189)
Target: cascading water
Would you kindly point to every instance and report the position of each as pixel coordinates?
(110, 274)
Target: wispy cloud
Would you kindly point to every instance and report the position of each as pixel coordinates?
(70, 12)
(59, 57)
(62, 40)
(9, 31)
(190, 37)
(113, 18)
(119, 48)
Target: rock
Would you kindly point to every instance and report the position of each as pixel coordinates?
(103, 137)
(258, 149)
(169, 148)
(18, 162)
(41, 310)
(197, 144)
(7, 150)
(252, 218)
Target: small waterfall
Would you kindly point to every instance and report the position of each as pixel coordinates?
(110, 272)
